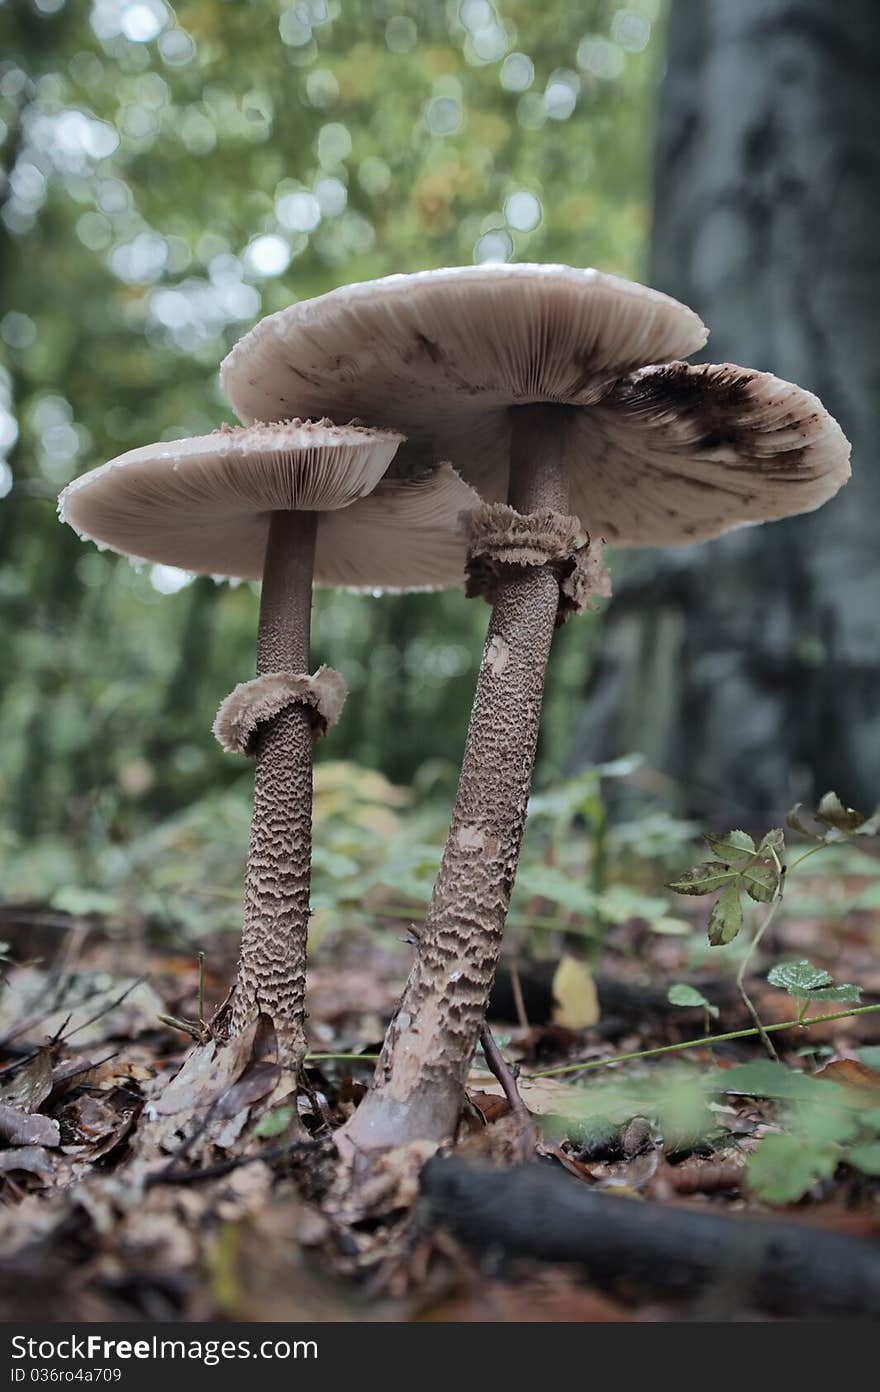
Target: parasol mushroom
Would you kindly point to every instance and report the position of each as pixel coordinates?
(288, 503)
(541, 384)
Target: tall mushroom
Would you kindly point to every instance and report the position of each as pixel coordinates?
(285, 503)
(537, 382)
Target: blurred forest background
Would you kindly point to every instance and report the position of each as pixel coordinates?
(171, 173)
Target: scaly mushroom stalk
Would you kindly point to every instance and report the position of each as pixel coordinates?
(283, 503)
(272, 961)
(420, 1076)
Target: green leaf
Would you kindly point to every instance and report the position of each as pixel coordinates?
(274, 1123)
(773, 841)
(870, 1055)
(761, 881)
(798, 978)
(81, 901)
(672, 927)
(845, 991)
(832, 813)
(547, 882)
(706, 878)
(620, 902)
(726, 918)
(689, 996)
(804, 981)
(865, 1157)
(784, 1167)
(763, 1078)
(735, 848)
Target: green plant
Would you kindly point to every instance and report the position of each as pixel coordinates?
(690, 998)
(741, 871)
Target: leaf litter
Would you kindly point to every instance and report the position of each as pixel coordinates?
(176, 1180)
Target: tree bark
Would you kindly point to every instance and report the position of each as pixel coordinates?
(747, 668)
(418, 1087)
(272, 964)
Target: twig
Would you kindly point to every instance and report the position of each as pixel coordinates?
(519, 1003)
(499, 1066)
(202, 992)
(170, 1175)
(352, 1058)
(111, 1005)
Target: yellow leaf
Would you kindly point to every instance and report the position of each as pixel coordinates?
(574, 991)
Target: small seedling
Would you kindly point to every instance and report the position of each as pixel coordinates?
(689, 997)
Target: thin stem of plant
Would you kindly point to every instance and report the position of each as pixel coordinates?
(750, 952)
(702, 1042)
(707, 1039)
(202, 991)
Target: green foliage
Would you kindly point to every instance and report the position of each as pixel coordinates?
(807, 983)
(821, 1124)
(726, 917)
(275, 1123)
(783, 1168)
(689, 996)
(168, 186)
(741, 868)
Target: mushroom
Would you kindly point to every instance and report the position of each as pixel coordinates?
(286, 503)
(538, 383)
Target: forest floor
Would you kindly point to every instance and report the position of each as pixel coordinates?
(702, 1183)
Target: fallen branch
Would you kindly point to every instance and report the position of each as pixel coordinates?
(653, 1249)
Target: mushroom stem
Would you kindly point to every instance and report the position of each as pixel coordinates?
(272, 963)
(418, 1088)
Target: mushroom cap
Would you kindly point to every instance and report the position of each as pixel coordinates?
(655, 455)
(204, 505)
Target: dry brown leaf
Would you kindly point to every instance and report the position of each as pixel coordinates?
(31, 1083)
(850, 1073)
(33, 1159)
(542, 1096)
(490, 1106)
(27, 1128)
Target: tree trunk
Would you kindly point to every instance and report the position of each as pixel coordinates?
(747, 668)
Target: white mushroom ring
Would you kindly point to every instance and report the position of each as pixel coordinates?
(250, 704)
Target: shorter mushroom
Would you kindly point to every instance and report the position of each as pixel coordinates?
(287, 503)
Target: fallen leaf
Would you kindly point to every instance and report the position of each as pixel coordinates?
(32, 1159)
(574, 991)
(851, 1073)
(31, 1084)
(27, 1128)
(490, 1106)
(542, 1096)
